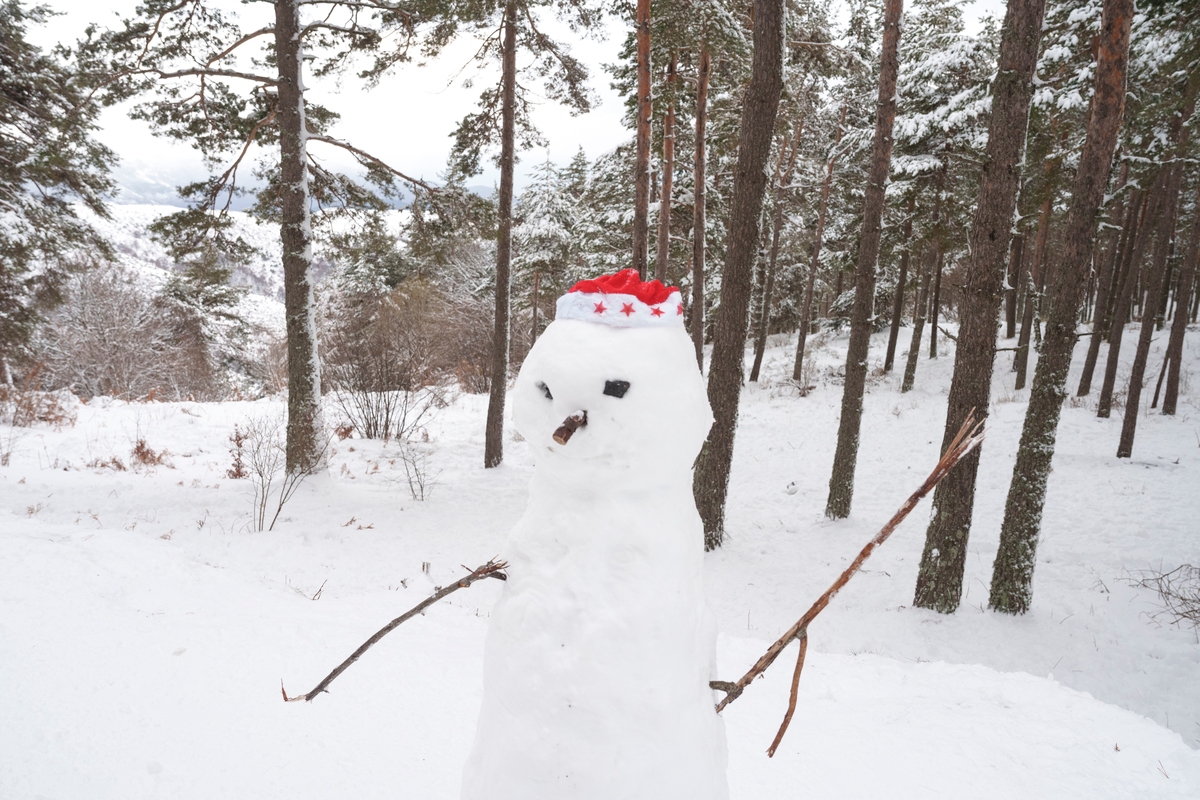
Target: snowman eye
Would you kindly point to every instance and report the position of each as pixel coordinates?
(616, 388)
(546, 391)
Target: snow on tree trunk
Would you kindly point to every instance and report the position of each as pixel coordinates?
(1037, 284)
(1016, 254)
(822, 213)
(1012, 572)
(699, 176)
(493, 448)
(1183, 293)
(914, 346)
(1108, 282)
(759, 108)
(841, 482)
(662, 260)
(304, 366)
(641, 177)
(939, 581)
(901, 279)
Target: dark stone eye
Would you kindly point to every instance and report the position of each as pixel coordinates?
(546, 390)
(616, 388)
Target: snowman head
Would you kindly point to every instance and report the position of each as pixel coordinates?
(617, 361)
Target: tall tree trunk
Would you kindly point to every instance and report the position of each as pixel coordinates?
(493, 447)
(1012, 572)
(1033, 294)
(806, 308)
(641, 177)
(1154, 282)
(936, 304)
(533, 333)
(699, 178)
(914, 345)
(898, 299)
(1016, 253)
(841, 481)
(761, 103)
(783, 178)
(1183, 294)
(1129, 282)
(1108, 282)
(661, 262)
(939, 580)
(304, 365)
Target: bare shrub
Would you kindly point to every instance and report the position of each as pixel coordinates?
(237, 470)
(1178, 590)
(415, 459)
(143, 455)
(110, 337)
(263, 447)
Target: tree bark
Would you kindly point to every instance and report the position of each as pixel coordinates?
(533, 333)
(898, 300)
(1120, 315)
(1108, 285)
(1012, 572)
(783, 177)
(662, 261)
(939, 580)
(841, 479)
(914, 345)
(759, 108)
(699, 193)
(493, 448)
(1033, 294)
(806, 309)
(641, 177)
(1183, 294)
(1153, 292)
(935, 305)
(304, 365)
(1015, 267)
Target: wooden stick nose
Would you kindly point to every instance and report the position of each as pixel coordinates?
(569, 426)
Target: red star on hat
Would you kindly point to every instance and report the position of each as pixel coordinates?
(679, 312)
(656, 311)
(627, 308)
(600, 309)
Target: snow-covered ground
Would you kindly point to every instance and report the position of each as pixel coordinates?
(144, 628)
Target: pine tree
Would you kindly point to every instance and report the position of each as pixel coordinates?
(544, 243)
(48, 158)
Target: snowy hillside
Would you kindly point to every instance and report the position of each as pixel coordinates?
(144, 629)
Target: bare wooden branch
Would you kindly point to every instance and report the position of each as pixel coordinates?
(969, 436)
(492, 569)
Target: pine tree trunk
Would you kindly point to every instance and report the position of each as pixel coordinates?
(841, 481)
(493, 447)
(782, 181)
(939, 580)
(806, 309)
(914, 345)
(1033, 294)
(304, 366)
(1129, 282)
(661, 263)
(699, 178)
(759, 108)
(1183, 294)
(898, 299)
(533, 333)
(1106, 283)
(1153, 293)
(641, 177)
(1012, 572)
(1016, 253)
(935, 305)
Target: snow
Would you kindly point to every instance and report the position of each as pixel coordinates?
(601, 647)
(144, 629)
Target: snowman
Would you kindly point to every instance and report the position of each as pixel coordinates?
(601, 647)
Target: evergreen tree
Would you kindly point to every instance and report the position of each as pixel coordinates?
(48, 159)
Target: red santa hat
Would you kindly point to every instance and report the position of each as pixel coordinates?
(622, 300)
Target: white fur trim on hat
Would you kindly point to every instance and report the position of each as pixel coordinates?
(620, 310)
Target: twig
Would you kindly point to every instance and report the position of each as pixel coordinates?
(492, 569)
(967, 438)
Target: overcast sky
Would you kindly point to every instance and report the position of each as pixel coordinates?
(407, 120)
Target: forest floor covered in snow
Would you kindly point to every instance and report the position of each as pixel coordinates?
(145, 628)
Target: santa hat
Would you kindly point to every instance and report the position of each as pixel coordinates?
(622, 300)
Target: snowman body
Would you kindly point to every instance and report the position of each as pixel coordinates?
(601, 647)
